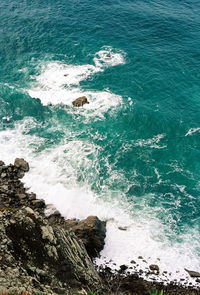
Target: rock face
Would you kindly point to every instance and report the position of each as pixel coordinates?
(39, 253)
(91, 231)
(38, 257)
(80, 101)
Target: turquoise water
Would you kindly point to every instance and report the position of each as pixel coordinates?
(136, 147)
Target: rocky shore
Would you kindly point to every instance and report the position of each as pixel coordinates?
(51, 255)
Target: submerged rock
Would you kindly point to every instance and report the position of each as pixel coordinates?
(80, 101)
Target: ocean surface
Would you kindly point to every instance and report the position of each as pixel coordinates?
(132, 155)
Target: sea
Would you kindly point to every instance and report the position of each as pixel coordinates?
(132, 155)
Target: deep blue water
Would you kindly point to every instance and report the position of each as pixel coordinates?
(144, 145)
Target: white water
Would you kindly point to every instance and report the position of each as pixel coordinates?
(58, 83)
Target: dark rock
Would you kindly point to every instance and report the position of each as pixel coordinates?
(2, 163)
(108, 55)
(80, 101)
(37, 254)
(198, 280)
(56, 213)
(107, 269)
(38, 203)
(22, 196)
(122, 228)
(154, 267)
(65, 75)
(140, 257)
(32, 196)
(91, 231)
(133, 262)
(22, 164)
(193, 274)
(123, 267)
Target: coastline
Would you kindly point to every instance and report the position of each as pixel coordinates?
(15, 200)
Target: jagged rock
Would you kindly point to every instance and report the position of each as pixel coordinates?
(22, 164)
(36, 254)
(91, 231)
(193, 274)
(12, 191)
(80, 101)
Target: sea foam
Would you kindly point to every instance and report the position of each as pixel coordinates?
(59, 83)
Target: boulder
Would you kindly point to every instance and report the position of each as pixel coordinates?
(22, 164)
(91, 231)
(80, 101)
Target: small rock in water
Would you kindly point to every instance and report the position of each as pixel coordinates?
(122, 228)
(154, 267)
(108, 55)
(133, 262)
(198, 280)
(65, 75)
(193, 274)
(140, 257)
(80, 101)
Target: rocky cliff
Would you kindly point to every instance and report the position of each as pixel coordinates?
(37, 254)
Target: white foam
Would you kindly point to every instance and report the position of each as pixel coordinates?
(58, 83)
(99, 102)
(153, 142)
(108, 57)
(53, 176)
(192, 130)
